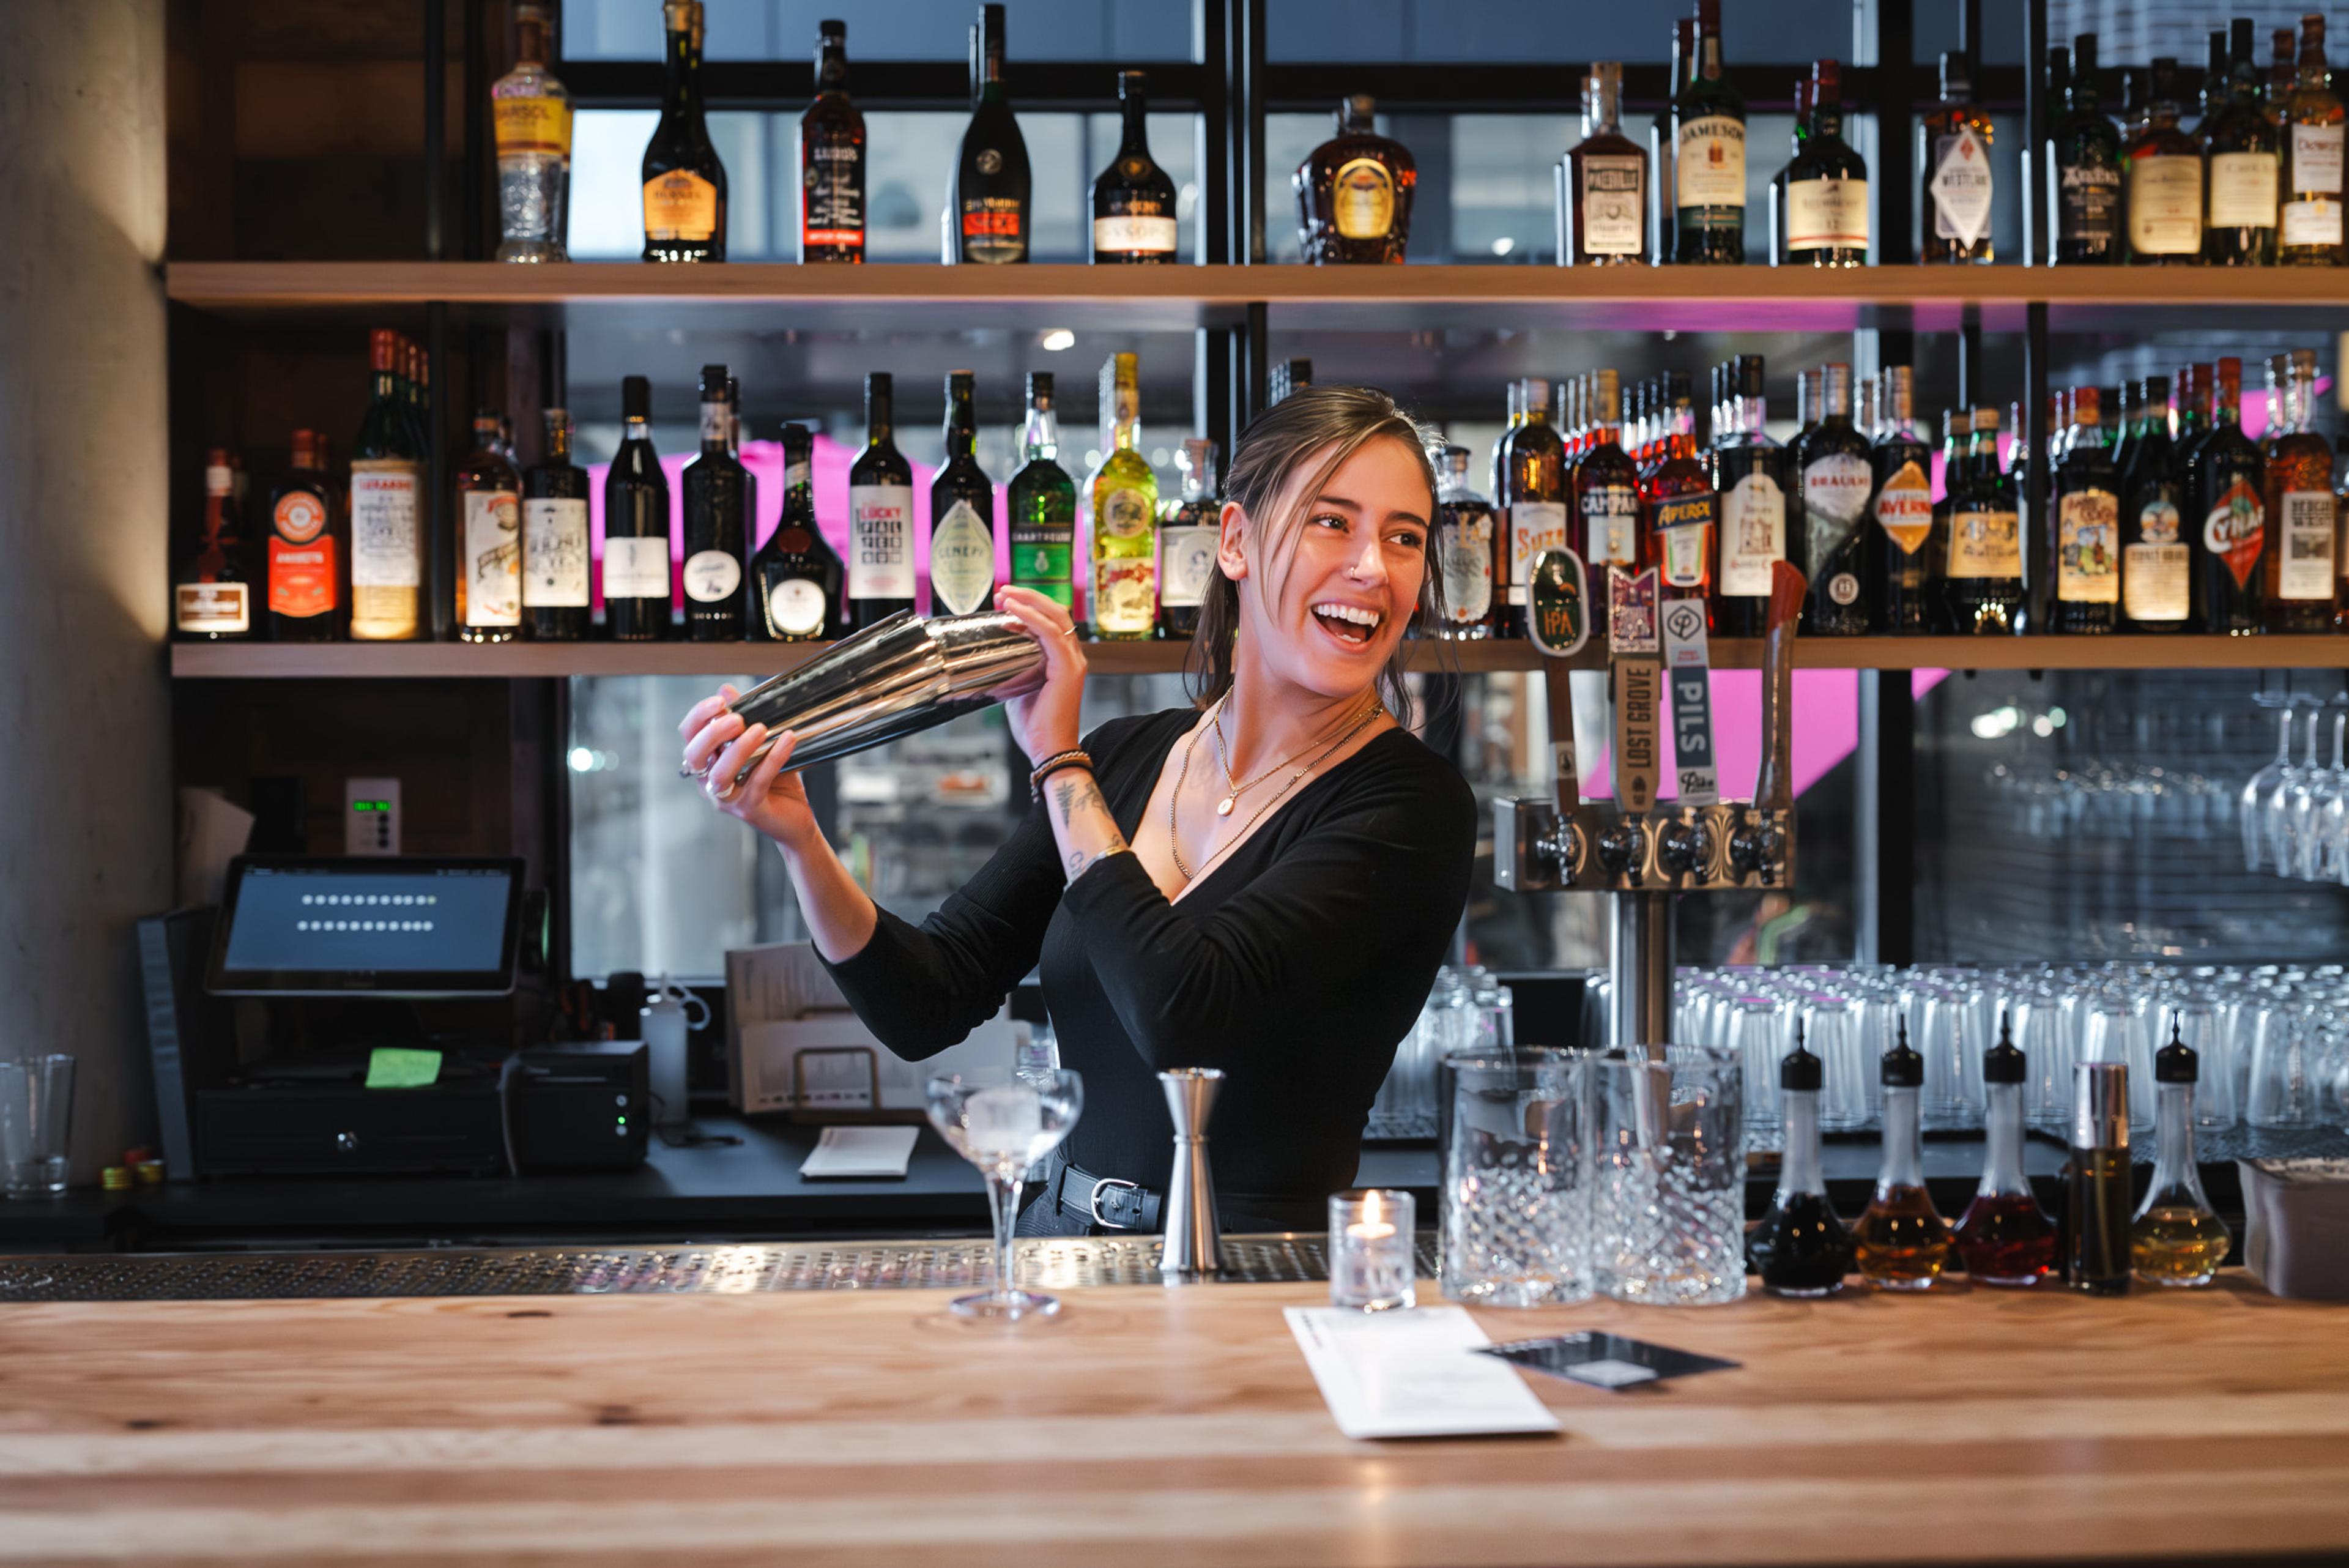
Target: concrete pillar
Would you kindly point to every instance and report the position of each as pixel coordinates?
(85, 801)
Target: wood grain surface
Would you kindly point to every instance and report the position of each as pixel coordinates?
(1147, 1426)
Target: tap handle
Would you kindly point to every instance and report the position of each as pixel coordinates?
(1558, 622)
(1773, 787)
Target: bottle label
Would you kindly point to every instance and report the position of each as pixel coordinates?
(1834, 498)
(1843, 590)
(2304, 567)
(532, 126)
(795, 607)
(1752, 536)
(1614, 205)
(1709, 163)
(302, 578)
(386, 542)
(832, 193)
(962, 560)
(1904, 508)
(2164, 206)
(636, 568)
(2316, 160)
(299, 516)
(1122, 514)
(2311, 223)
(680, 205)
(880, 542)
(1186, 564)
(2236, 529)
(2089, 202)
(713, 424)
(994, 228)
(1985, 545)
(1463, 544)
(1538, 525)
(1610, 532)
(492, 563)
(711, 577)
(1827, 214)
(1362, 199)
(1962, 187)
(1125, 593)
(2242, 190)
(2156, 582)
(1684, 524)
(1134, 234)
(554, 554)
(2088, 547)
(1042, 553)
(217, 608)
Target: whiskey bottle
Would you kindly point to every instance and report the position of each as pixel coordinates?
(1606, 502)
(1187, 538)
(2176, 1238)
(2239, 225)
(795, 577)
(988, 201)
(962, 511)
(1133, 199)
(1123, 491)
(2311, 138)
(1826, 206)
(1681, 514)
(386, 495)
(883, 550)
(211, 591)
(489, 539)
(2083, 507)
(684, 182)
(2083, 159)
(2301, 580)
(1709, 155)
(1836, 481)
(530, 118)
(1355, 193)
(717, 521)
(1603, 180)
(2157, 552)
(1954, 147)
(1467, 549)
(2004, 1238)
(831, 159)
(638, 587)
(1529, 499)
(555, 546)
(2229, 483)
(2164, 181)
(1800, 1248)
(1752, 478)
(305, 548)
(1902, 507)
(1983, 541)
(1902, 1241)
(1043, 501)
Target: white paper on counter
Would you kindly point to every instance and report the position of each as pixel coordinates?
(861, 1151)
(1412, 1373)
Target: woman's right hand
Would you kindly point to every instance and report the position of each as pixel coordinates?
(717, 745)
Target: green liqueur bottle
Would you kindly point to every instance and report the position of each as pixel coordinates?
(1043, 501)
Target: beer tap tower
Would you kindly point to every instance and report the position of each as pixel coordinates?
(1642, 852)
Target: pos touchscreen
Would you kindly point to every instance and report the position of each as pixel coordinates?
(416, 927)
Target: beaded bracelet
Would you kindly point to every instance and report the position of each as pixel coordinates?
(1074, 757)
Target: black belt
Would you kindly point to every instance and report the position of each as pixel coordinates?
(1108, 1201)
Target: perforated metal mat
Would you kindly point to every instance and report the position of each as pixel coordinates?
(1057, 1263)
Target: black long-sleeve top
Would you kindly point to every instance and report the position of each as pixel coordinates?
(1295, 964)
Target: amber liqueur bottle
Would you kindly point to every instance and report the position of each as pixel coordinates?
(2157, 552)
(683, 179)
(1824, 217)
(386, 501)
(1800, 1248)
(1953, 147)
(2164, 173)
(1353, 194)
(1902, 510)
(1134, 198)
(2302, 577)
(1602, 190)
(2084, 515)
(1836, 479)
(1708, 155)
(1606, 491)
(305, 549)
(1529, 498)
(1680, 513)
(489, 538)
(1750, 471)
(795, 577)
(555, 556)
(2004, 1238)
(2242, 146)
(831, 159)
(212, 589)
(2229, 482)
(2311, 135)
(2084, 162)
(1903, 1242)
(987, 201)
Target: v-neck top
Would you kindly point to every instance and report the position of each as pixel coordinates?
(1296, 964)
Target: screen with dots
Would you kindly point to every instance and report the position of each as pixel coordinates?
(445, 921)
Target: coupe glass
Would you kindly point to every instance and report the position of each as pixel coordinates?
(1004, 1124)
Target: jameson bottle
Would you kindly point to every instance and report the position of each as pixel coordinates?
(1953, 144)
(1902, 512)
(2238, 226)
(1043, 501)
(962, 511)
(1529, 492)
(1982, 588)
(2164, 173)
(1709, 155)
(1751, 473)
(1680, 515)
(2157, 554)
(2084, 506)
(636, 586)
(2083, 157)
(717, 521)
(1467, 543)
(986, 203)
(489, 539)
(1606, 502)
(2311, 138)
(555, 546)
(1123, 598)
(1602, 199)
(1187, 536)
(684, 182)
(881, 547)
(1825, 185)
(795, 577)
(387, 493)
(530, 117)
(2301, 580)
(2230, 482)
(305, 548)
(831, 159)
(1837, 480)
(1134, 198)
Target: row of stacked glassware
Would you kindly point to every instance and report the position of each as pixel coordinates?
(1467, 1009)
(2295, 814)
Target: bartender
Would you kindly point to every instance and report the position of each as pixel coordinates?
(1264, 883)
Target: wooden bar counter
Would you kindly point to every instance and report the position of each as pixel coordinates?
(1150, 1426)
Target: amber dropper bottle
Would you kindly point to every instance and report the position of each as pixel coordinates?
(2004, 1237)
(2177, 1239)
(2097, 1181)
(1904, 1243)
(1800, 1247)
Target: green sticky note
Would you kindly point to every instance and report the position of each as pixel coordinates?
(394, 1067)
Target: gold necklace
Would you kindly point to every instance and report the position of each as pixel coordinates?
(1174, 841)
(1232, 788)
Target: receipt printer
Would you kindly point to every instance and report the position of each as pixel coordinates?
(581, 1106)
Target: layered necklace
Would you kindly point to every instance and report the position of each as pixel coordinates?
(1234, 788)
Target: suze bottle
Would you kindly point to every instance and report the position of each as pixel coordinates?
(986, 202)
(1835, 483)
(2083, 159)
(1751, 476)
(1529, 491)
(717, 521)
(795, 577)
(1901, 511)
(2084, 511)
(2157, 552)
(962, 511)
(882, 548)
(1709, 155)
(489, 539)
(636, 585)
(1187, 537)
(831, 159)
(1134, 198)
(1043, 503)
(555, 546)
(305, 549)
(684, 182)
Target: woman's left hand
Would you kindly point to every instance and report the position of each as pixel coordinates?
(1046, 721)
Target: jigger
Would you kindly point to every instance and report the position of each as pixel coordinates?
(1195, 1237)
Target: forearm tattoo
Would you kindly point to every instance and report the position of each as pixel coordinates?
(1074, 793)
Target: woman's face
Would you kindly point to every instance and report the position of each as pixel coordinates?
(1326, 603)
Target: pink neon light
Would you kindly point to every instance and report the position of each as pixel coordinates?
(1827, 727)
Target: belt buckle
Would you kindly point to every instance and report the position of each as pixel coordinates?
(1092, 1200)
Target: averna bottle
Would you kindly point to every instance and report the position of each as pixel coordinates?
(831, 159)
(2083, 156)
(2311, 135)
(1953, 146)
(1134, 198)
(2004, 1237)
(529, 118)
(1529, 497)
(1826, 186)
(2301, 580)
(1902, 1241)
(2176, 1237)
(1836, 481)
(1709, 155)
(1187, 537)
(1902, 509)
(387, 492)
(1043, 501)
(211, 591)
(795, 577)
(1603, 182)
(2085, 514)
(1355, 193)
(1123, 600)
(1983, 541)
(304, 559)
(1751, 473)
(554, 548)
(986, 202)
(2164, 172)
(962, 511)
(636, 589)
(489, 539)
(684, 182)
(882, 548)
(1606, 502)
(2228, 480)
(2157, 552)
(717, 521)
(1800, 1247)
(2239, 213)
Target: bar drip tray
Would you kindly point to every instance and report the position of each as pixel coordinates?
(1049, 1263)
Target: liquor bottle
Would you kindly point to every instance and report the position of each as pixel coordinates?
(1799, 136)
(1709, 155)
(2302, 579)
(2238, 226)
(211, 591)
(881, 547)
(1953, 145)
(1602, 210)
(1982, 580)
(1807, 397)
(684, 182)
(2283, 75)
(2156, 555)
(637, 589)
(717, 521)
(530, 115)
(1800, 1247)
(1123, 492)
(2097, 1181)
(1605, 491)
(304, 559)
(1902, 469)
(1043, 501)
(2083, 155)
(1664, 215)
(1467, 547)
(2004, 1237)
(832, 158)
(987, 201)
(1902, 1241)
(2164, 181)
(2177, 1238)
(2311, 138)
(1824, 220)
(554, 545)
(795, 577)
(1751, 474)
(1353, 194)
(1681, 514)
(1833, 462)
(2083, 507)
(2229, 483)
(1133, 199)
(962, 511)
(489, 539)
(1188, 535)
(1529, 502)
(2214, 90)
(1866, 417)
(386, 495)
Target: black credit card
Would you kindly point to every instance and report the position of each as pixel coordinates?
(1605, 1360)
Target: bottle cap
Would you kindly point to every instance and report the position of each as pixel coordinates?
(1749, 375)
(713, 383)
(635, 397)
(1039, 386)
(2100, 1104)
(1798, 1069)
(2003, 1063)
(2175, 1063)
(797, 443)
(1957, 76)
(1903, 1068)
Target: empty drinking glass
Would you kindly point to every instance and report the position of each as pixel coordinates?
(1668, 1222)
(1952, 1042)
(1831, 1030)
(1516, 1198)
(1758, 1032)
(2286, 1090)
(36, 1111)
(1003, 1126)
